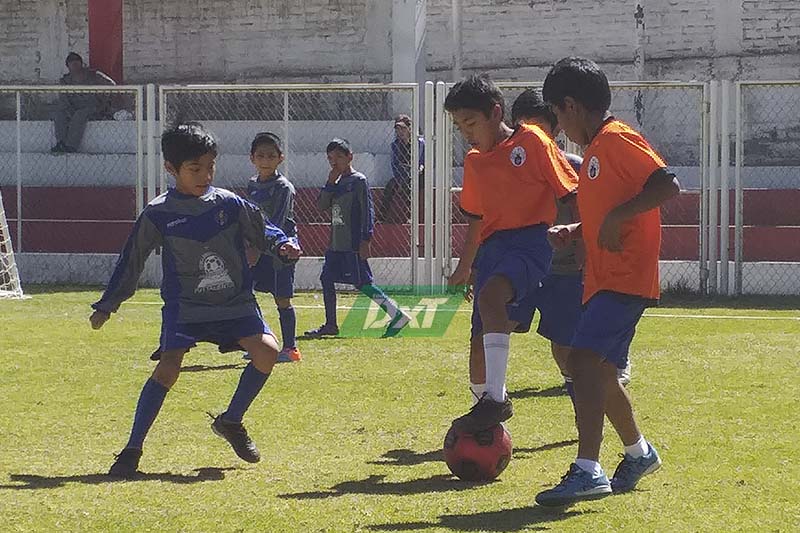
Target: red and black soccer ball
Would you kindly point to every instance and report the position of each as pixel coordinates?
(480, 456)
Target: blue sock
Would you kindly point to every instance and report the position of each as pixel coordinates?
(288, 326)
(329, 298)
(250, 384)
(150, 401)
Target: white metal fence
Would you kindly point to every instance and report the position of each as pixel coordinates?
(672, 116)
(68, 213)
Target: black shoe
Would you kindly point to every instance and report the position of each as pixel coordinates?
(323, 331)
(58, 148)
(483, 415)
(127, 464)
(237, 437)
(70, 149)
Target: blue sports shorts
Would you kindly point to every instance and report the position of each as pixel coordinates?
(345, 267)
(266, 278)
(559, 304)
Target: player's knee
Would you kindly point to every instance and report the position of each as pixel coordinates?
(168, 368)
(283, 303)
(264, 353)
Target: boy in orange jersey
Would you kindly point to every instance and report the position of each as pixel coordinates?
(510, 178)
(623, 183)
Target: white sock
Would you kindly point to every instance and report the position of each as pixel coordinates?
(388, 305)
(587, 465)
(638, 448)
(476, 391)
(495, 347)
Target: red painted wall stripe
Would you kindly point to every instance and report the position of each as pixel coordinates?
(105, 37)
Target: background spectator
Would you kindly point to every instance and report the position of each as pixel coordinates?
(401, 170)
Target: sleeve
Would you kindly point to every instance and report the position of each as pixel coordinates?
(553, 166)
(325, 199)
(634, 158)
(144, 238)
(261, 234)
(283, 206)
(396, 163)
(469, 199)
(367, 211)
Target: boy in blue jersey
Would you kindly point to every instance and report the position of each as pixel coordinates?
(207, 286)
(346, 194)
(274, 194)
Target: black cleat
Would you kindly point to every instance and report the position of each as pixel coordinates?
(323, 331)
(483, 415)
(237, 437)
(127, 464)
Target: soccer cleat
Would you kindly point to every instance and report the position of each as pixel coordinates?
(624, 374)
(237, 437)
(58, 148)
(576, 485)
(400, 321)
(289, 355)
(483, 415)
(323, 331)
(127, 464)
(630, 470)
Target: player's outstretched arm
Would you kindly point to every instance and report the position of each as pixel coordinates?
(144, 238)
(461, 274)
(265, 236)
(660, 187)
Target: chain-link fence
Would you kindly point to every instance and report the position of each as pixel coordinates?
(767, 218)
(71, 170)
(671, 117)
(306, 118)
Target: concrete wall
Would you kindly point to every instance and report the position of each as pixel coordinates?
(351, 40)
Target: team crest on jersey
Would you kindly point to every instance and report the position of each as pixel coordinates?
(221, 217)
(336, 215)
(594, 168)
(215, 275)
(518, 156)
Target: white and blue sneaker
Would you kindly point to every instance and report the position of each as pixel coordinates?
(577, 485)
(630, 470)
(400, 320)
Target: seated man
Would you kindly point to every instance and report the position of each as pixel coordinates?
(75, 109)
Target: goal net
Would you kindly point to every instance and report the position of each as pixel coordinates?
(9, 276)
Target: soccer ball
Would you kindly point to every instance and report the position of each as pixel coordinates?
(480, 456)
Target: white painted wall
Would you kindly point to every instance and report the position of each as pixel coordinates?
(356, 40)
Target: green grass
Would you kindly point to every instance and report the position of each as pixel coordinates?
(350, 437)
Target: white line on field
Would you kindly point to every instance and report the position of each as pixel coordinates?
(647, 315)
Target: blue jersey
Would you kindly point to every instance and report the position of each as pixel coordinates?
(401, 158)
(352, 215)
(275, 198)
(206, 276)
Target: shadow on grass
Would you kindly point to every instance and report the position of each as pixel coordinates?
(35, 482)
(522, 518)
(767, 303)
(204, 368)
(406, 457)
(533, 392)
(375, 485)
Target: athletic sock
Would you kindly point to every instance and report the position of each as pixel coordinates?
(476, 390)
(638, 448)
(495, 347)
(288, 320)
(587, 465)
(150, 401)
(250, 384)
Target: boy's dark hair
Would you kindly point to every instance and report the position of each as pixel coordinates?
(478, 93)
(581, 79)
(403, 119)
(268, 138)
(73, 56)
(529, 104)
(343, 145)
(187, 141)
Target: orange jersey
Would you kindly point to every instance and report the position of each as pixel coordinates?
(616, 166)
(512, 186)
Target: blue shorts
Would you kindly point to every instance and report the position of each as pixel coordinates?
(523, 257)
(266, 278)
(345, 267)
(560, 305)
(224, 333)
(608, 323)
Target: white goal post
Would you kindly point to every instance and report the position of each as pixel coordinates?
(10, 286)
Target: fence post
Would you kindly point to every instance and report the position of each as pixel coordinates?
(713, 188)
(19, 171)
(724, 207)
(414, 168)
(431, 146)
(139, 153)
(739, 218)
(443, 183)
(152, 156)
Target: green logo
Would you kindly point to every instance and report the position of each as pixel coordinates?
(430, 312)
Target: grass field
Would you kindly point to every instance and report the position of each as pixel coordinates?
(351, 437)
